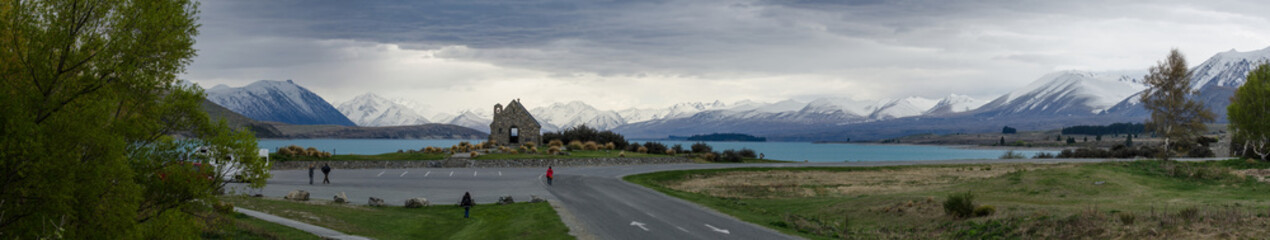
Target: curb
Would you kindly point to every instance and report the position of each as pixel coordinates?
(324, 233)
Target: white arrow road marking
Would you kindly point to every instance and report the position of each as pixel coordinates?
(381, 173)
(639, 224)
(426, 174)
(403, 174)
(724, 231)
(451, 173)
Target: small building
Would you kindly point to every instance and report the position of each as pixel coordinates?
(513, 126)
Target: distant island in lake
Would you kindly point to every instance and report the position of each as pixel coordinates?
(721, 137)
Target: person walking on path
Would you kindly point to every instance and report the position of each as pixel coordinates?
(549, 175)
(311, 174)
(466, 203)
(326, 173)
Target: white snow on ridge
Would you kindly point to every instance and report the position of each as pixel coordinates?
(1223, 63)
(577, 113)
(374, 111)
(903, 107)
(1099, 90)
(229, 97)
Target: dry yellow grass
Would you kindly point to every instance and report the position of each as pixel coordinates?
(784, 183)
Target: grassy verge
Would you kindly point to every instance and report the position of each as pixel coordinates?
(572, 155)
(1143, 199)
(357, 157)
(513, 221)
(246, 227)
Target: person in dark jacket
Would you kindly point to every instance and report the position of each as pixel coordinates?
(311, 166)
(466, 203)
(326, 174)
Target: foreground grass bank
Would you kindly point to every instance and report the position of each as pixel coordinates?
(1143, 199)
(512, 221)
(247, 227)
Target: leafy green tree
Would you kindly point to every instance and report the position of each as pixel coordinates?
(1173, 113)
(1248, 113)
(98, 133)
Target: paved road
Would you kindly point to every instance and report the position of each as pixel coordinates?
(595, 201)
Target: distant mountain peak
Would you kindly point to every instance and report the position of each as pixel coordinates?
(278, 101)
(372, 110)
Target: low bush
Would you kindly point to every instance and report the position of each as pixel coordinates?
(590, 145)
(655, 147)
(575, 145)
(1010, 154)
(555, 143)
(553, 150)
(985, 210)
(610, 146)
(748, 153)
(730, 156)
(701, 147)
(710, 157)
(641, 149)
(1127, 218)
(960, 205)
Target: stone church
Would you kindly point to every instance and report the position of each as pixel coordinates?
(513, 126)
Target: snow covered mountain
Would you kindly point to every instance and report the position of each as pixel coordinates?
(472, 119)
(955, 104)
(1216, 80)
(1066, 93)
(370, 110)
(680, 110)
(903, 107)
(576, 113)
(277, 101)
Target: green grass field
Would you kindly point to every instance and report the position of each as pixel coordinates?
(572, 155)
(358, 157)
(489, 221)
(246, 227)
(1142, 199)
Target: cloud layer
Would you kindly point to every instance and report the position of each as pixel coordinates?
(619, 54)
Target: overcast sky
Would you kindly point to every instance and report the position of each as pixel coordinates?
(471, 54)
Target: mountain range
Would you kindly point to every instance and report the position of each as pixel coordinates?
(1052, 101)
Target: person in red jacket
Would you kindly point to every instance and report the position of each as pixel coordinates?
(549, 175)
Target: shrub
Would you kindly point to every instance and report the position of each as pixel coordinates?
(1127, 218)
(678, 148)
(591, 145)
(746, 152)
(531, 145)
(701, 147)
(286, 151)
(655, 147)
(474, 154)
(553, 150)
(632, 147)
(1043, 155)
(985, 210)
(710, 156)
(642, 149)
(610, 146)
(555, 143)
(960, 205)
(575, 145)
(1010, 154)
(730, 156)
(670, 152)
(514, 152)
(583, 133)
(621, 154)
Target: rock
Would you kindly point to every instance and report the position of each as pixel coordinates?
(535, 198)
(504, 200)
(416, 202)
(341, 198)
(298, 195)
(375, 202)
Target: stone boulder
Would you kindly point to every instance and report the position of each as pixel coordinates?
(298, 195)
(535, 198)
(504, 200)
(375, 202)
(416, 202)
(341, 198)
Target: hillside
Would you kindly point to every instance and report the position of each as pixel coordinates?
(283, 130)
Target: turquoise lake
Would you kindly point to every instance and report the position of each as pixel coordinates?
(793, 151)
